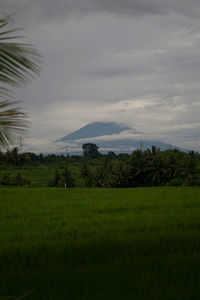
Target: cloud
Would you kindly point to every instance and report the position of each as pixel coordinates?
(37, 9)
(132, 61)
(176, 124)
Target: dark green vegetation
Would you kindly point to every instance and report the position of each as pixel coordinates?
(100, 243)
(151, 167)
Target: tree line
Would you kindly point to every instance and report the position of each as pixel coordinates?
(141, 168)
(151, 167)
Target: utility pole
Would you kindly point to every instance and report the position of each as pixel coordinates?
(20, 144)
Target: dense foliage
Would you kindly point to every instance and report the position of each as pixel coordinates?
(151, 167)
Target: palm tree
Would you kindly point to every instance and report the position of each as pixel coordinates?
(152, 153)
(156, 170)
(18, 63)
(191, 165)
(137, 169)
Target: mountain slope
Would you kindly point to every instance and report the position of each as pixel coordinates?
(96, 129)
(108, 136)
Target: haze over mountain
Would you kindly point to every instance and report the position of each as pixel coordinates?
(96, 129)
(109, 136)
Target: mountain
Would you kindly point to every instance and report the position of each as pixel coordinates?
(96, 129)
(109, 136)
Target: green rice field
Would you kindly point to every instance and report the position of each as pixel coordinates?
(141, 243)
(38, 177)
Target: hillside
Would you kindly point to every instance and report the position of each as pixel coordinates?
(109, 136)
(96, 129)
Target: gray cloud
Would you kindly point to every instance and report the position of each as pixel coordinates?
(37, 9)
(131, 61)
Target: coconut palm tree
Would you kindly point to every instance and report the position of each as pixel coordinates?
(156, 170)
(137, 167)
(18, 64)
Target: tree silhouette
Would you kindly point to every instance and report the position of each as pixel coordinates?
(90, 150)
(138, 164)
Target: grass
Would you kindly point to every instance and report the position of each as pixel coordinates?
(100, 243)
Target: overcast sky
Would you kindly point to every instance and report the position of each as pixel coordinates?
(131, 61)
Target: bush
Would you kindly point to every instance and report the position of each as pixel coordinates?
(193, 180)
(18, 180)
(56, 179)
(6, 179)
(176, 182)
(67, 179)
(87, 175)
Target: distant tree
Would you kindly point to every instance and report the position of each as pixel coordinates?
(156, 170)
(19, 179)
(67, 178)
(152, 153)
(90, 150)
(192, 171)
(6, 179)
(121, 175)
(15, 156)
(172, 161)
(111, 154)
(56, 179)
(104, 175)
(87, 175)
(41, 157)
(137, 168)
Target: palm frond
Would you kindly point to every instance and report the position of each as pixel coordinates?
(19, 62)
(13, 122)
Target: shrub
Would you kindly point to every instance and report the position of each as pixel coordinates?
(18, 180)
(67, 178)
(176, 182)
(192, 180)
(6, 179)
(87, 175)
(56, 179)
